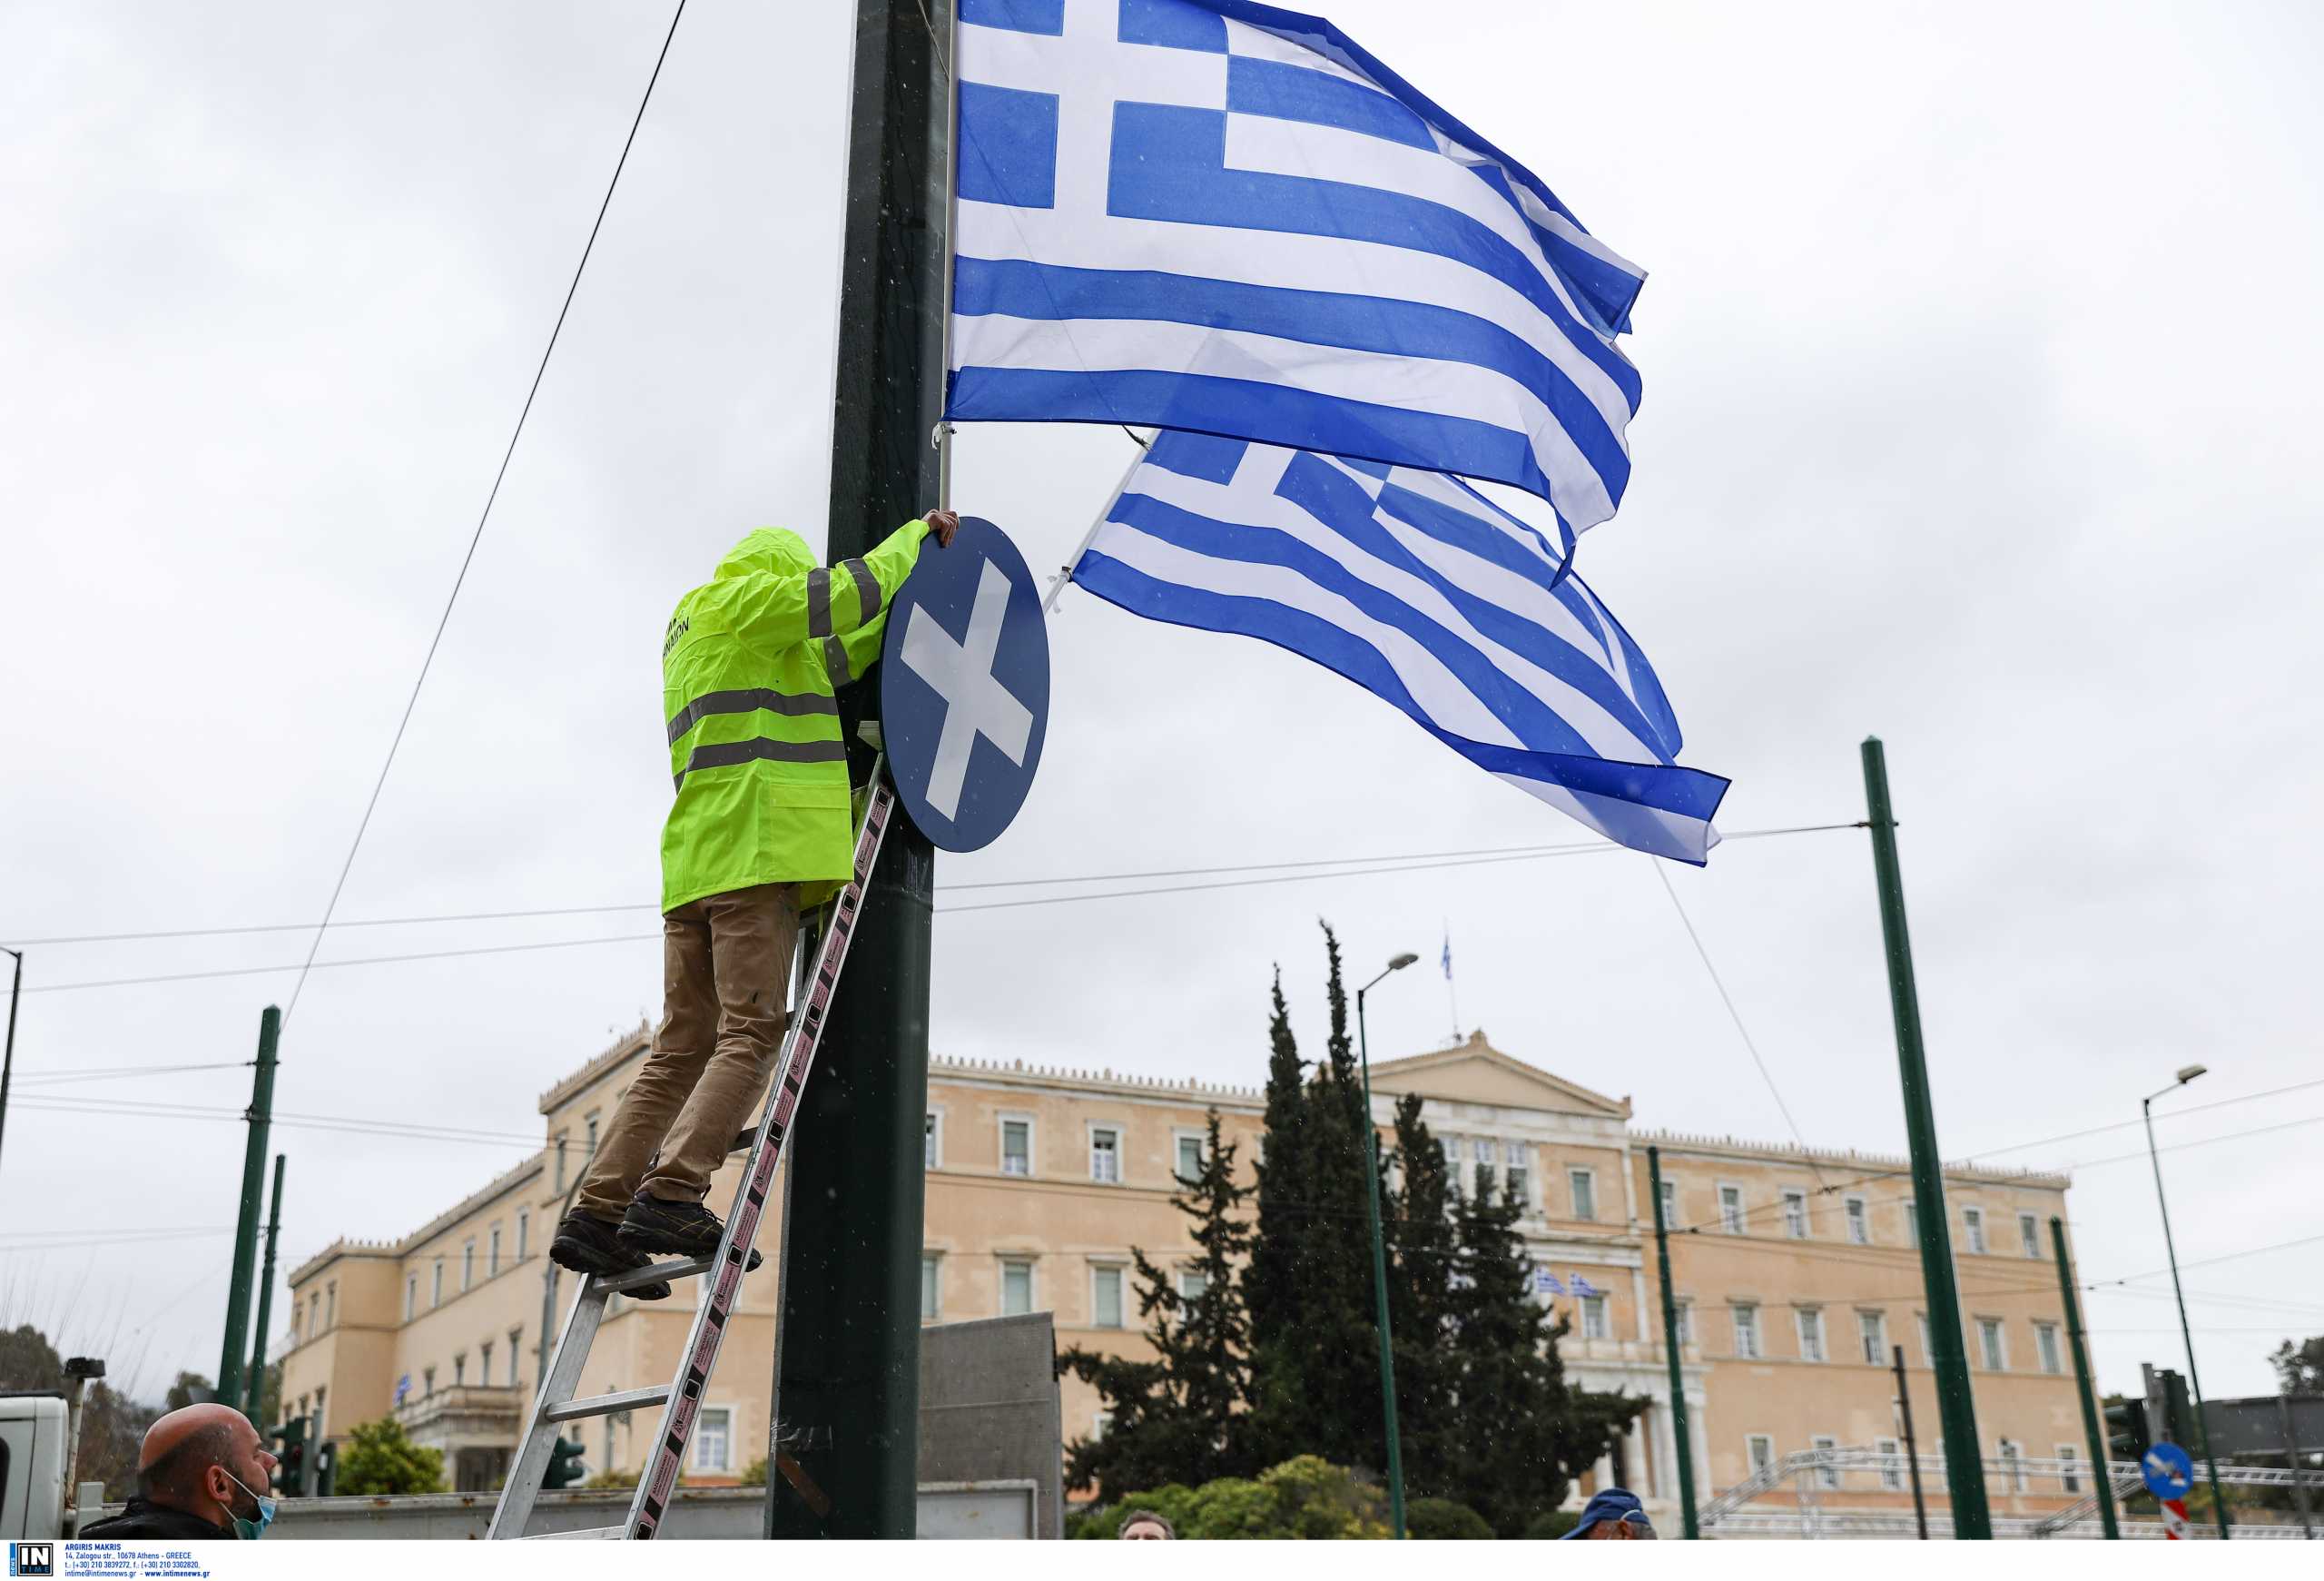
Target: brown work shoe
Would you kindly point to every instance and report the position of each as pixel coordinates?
(590, 1245)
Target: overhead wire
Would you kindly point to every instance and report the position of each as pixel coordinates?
(476, 537)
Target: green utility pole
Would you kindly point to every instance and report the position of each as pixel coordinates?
(1680, 1439)
(1957, 1412)
(238, 1288)
(256, 1384)
(847, 1384)
(1380, 1264)
(8, 1059)
(2092, 1427)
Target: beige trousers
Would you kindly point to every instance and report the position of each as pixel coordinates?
(725, 974)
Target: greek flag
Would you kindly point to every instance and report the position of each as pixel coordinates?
(1582, 1286)
(1424, 592)
(1545, 1283)
(1225, 218)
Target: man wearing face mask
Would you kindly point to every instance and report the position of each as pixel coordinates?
(204, 1472)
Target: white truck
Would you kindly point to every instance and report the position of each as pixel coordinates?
(40, 1438)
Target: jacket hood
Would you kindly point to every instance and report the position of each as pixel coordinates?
(774, 549)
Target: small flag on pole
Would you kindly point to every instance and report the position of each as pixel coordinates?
(1225, 218)
(1547, 1283)
(1426, 594)
(1582, 1286)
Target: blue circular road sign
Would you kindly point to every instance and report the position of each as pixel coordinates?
(964, 687)
(2169, 1471)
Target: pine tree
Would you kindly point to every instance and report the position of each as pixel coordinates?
(1524, 1432)
(1422, 1251)
(1175, 1419)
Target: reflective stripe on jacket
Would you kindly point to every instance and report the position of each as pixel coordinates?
(749, 666)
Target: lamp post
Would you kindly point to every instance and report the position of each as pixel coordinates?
(2194, 1382)
(1380, 1254)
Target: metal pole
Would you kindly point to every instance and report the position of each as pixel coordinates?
(1671, 1346)
(1380, 1274)
(1956, 1411)
(849, 1376)
(1912, 1445)
(256, 1384)
(2091, 1426)
(8, 1061)
(2194, 1381)
(238, 1288)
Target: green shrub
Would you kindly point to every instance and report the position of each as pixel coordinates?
(380, 1457)
(1554, 1523)
(1439, 1519)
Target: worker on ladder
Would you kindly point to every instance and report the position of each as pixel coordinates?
(761, 830)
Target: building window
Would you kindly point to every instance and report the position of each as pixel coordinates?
(1685, 1313)
(467, 1266)
(1929, 1351)
(2012, 1460)
(1811, 1333)
(713, 1438)
(1105, 1155)
(1593, 1317)
(592, 1143)
(331, 1304)
(492, 1255)
(1194, 1283)
(1828, 1475)
(1912, 1225)
(484, 1364)
(1872, 1327)
(1746, 1333)
(931, 1288)
(1973, 1221)
(1892, 1473)
(1484, 1166)
(427, 1381)
(931, 1146)
(1795, 1215)
(1017, 1147)
(2046, 1345)
(1512, 1155)
(1584, 1184)
(1989, 1344)
(1105, 1297)
(1098, 1423)
(1759, 1449)
(1730, 1209)
(436, 1285)
(523, 1231)
(1859, 1219)
(459, 1369)
(515, 1348)
(561, 1164)
(410, 1299)
(1016, 1287)
(1671, 1204)
(2069, 1473)
(1190, 1147)
(2029, 1234)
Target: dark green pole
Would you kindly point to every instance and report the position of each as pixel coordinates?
(1680, 1439)
(2090, 1427)
(238, 1289)
(1957, 1412)
(255, 1386)
(2171, 1246)
(848, 1366)
(1380, 1275)
(8, 1058)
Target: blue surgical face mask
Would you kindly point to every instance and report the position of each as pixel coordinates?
(250, 1531)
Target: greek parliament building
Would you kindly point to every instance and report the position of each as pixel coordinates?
(1801, 1272)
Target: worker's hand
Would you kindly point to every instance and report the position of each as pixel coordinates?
(943, 524)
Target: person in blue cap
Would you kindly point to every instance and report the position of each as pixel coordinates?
(1613, 1513)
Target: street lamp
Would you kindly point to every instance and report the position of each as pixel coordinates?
(2194, 1382)
(1380, 1254)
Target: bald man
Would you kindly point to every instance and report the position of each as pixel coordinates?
(204, 1472)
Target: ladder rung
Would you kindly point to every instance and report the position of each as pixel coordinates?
(588, 1534)
(658, 1272)
(604, 1405)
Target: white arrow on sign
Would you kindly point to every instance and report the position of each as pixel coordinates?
(975, 703)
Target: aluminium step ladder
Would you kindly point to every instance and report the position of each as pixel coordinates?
(681, 1398)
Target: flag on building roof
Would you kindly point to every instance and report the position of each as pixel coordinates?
(1230, 219)
(1425, 593)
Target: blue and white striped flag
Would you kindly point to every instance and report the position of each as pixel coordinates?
(1424, 592)
(1229, 219)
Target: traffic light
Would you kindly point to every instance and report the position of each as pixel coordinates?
(564, 1467)
(326, 1469)
(290, 1475)
(2126, 1434)
(2178, 1415)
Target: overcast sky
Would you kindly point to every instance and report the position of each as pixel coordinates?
(1979, 355)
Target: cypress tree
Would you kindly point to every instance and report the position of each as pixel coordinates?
(1422, 1252)
(1175, 1417)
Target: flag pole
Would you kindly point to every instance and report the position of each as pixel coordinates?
(1065, 571)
